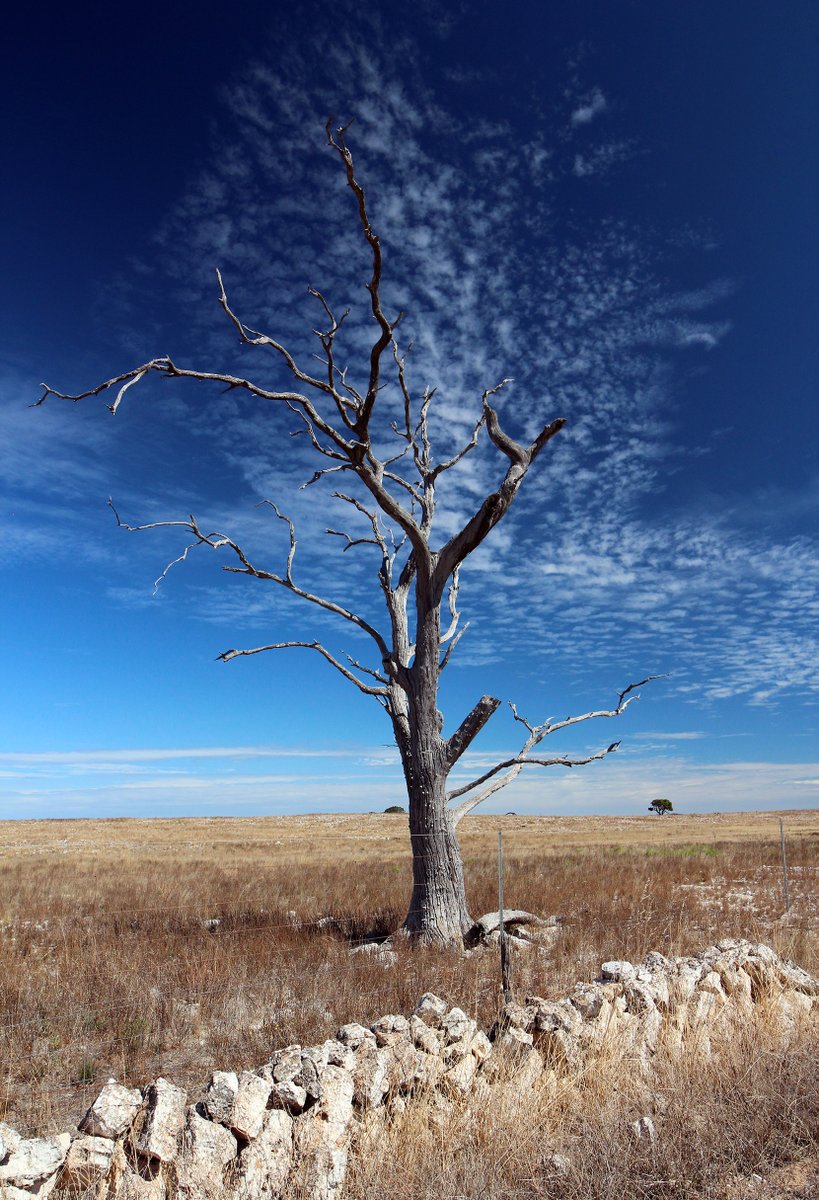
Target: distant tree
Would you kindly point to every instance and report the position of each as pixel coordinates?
(395, 495)
(395, 808)
(660, 807)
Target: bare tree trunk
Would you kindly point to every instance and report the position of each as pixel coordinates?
(437, 910)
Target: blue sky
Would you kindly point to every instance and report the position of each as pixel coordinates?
(612, 204)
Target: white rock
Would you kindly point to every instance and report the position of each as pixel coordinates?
(10, 1139)
(163, 1122)
(370, 1075)
(34, 1161)
(247, 1116)
(353, 1035)
(112, 1112)
(265, 1164)
(221, 1095)
(205, 1152)
(322, 1136)
(88, 1160)
(456, 1026)
(618, 970)
(430, 1008)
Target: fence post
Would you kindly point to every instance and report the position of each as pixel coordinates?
(784, 863)
(504, 956)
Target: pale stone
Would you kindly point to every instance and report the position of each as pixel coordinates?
(322, 1136)
(456, 1025)
(10, 1139)
(88, 1160)
(265, 1164)
(424, 1038)
(353, 1034)
(370, 1075)
(390, 1029)
(112, 1112)
(430, 1008)
(205, 1151)
(459, 1078)
(34, 1161)
(221, 1095)
(248, 1114)
(164, 1118)
(339, 1055)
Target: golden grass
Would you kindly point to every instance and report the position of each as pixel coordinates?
(134, 948)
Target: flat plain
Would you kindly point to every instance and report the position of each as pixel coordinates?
(133, 948)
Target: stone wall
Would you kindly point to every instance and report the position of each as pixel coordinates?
(296, 1119)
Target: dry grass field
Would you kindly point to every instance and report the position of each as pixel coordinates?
(134, 948)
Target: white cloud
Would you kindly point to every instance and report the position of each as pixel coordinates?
(590, 107)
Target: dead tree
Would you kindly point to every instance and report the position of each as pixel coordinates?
(416, 579)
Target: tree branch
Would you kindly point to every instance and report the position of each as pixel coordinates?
(469, 728)
(368, 690)
(537, 733)
(218, 541)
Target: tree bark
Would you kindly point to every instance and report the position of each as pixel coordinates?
(437, 911)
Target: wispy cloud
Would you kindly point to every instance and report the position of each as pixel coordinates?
(590, 107)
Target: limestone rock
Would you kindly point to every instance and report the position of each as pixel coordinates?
(34, 1162)
(456, 1026)
(88, 1161)
(322, 1136)
(265, 1164)
(618, 970)
(112, 1112)
(249, 1108)
(221, 1095)
(164, 1117)
(10, 1139)
(370, 1075)
(206, 1150)
(430, 1008)
(353, 1035)
(423, 1036)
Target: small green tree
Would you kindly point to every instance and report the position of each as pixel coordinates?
(660, 807)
